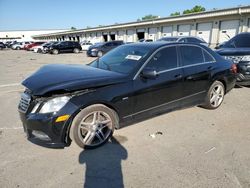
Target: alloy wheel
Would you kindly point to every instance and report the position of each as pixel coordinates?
(216, 95)
(95, 128)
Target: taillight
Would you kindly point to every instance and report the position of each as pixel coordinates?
(234, 68)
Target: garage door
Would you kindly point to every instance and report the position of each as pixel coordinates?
(130, 35)
(228, 29)
(88, 37)
(98, 37)
(204, 31)
(184, 30)
(121, 35)
(167, 31)
(152, 33)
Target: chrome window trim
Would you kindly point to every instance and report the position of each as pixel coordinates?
(202, 53)
(152, 55)
(178, 60)
(168, 70)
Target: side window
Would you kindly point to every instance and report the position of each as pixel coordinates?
(109, 44)
(194, 40)
(164, 59)
(65, 43)
(242, 41)
(183, 40)
(191, 55)
(207, 57)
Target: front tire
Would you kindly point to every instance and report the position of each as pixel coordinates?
(215, 96)
(99, 53)
(93, 126)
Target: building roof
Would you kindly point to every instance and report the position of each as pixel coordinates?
(193, 16)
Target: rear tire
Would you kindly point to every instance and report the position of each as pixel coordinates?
(55, 52)
(76, 50)
(93, 126)
(215, 96)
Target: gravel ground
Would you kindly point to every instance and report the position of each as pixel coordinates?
(197, 147)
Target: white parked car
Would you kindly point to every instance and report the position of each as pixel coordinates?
(40, 48)
(20, 45)
(85, 45)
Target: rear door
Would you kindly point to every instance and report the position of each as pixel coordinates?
(163, 91)
(197, 65)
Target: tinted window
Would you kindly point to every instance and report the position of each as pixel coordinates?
(242, 41)
(194, 40)
(164, 59)
(191, 55)
(168, 39)
(207, 57)
(109, 44)
(183, 40)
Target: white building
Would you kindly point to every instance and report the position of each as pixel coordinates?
(24, 35)
(214, 27)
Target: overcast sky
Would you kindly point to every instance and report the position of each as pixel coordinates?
(63, 14)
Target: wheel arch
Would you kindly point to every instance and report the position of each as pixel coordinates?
(224, 83)
(221, 79)
(67, 137)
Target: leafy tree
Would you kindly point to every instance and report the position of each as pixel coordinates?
(175, 14)
(73, 28)
(147, 17)
(195, 9)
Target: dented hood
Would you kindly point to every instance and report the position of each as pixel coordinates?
(54, 77)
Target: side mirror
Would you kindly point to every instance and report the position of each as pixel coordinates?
(149, 73)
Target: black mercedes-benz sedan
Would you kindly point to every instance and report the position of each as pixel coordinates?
(237, 50)
(85, 103)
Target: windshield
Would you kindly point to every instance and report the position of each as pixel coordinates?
(98, 44)
(123, 59)
(168, 39)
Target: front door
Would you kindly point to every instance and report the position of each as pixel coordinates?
(163, 91)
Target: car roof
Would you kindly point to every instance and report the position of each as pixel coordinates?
(159, 44)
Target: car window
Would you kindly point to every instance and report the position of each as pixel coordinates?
(207, 57)
(191, 55)
(183, 40)
(194, 40)
(109, 44)
(242, 41)
(164, 59)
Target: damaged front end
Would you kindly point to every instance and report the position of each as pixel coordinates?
(46, 119)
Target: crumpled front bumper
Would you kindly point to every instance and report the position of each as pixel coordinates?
(43, 130)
